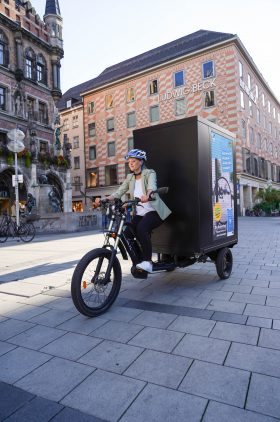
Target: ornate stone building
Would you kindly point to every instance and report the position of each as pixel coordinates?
(206, 73)
(30, 53)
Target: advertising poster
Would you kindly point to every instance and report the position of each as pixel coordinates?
(222, 186)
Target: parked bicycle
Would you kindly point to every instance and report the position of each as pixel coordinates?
(8, 228)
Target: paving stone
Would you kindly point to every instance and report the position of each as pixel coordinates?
(253, 283)
(11, 399)
(203, 348)
(55, 379)
(228, 317)
(12, 327)
(19, 362)
(236, 288)
(210, 294)
(157, 339)
(159, 368)
(82, 325)
(68, 414)
(71, 346)
(235, 332)
(36, 337)
(154, 319)
(259, 322)
(111, 356)
(266, 292)
(26, 312)
(5, 347)
(255, 359)
(117, 331)
(8, 307)
(157, 403)
(273, 301)
(276, 324)
(118, 313)
(218, 412)
(224, 306)
(29, 413)
(217, 382)
(191, 325)
(262, 311)
(270, 338)
(263, 396)
(52, 318)
(112, 394)
(248, 298)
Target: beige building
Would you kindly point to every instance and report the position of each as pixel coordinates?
(206, 73)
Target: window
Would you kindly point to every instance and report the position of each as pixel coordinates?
(43, 113)
(258, 116)
(180, 106)
(130, 144)
(208, 70)
(242, 103)
(29, 64)
(30, 103)
(76, 163)
(109, 103)
(265, 144)
(153, 87)
(75, 121)
(179, 78)
(154, 113)
(274, 113)
(257, 92)
(91, 107)
(251, 136)
(263, 100)
(130, 95)
(91, 130)
(43, 147)
(249, 81)
(4, 49)
(131, 119)
(268, 106)
(209, 99)
(111, 175)
(270, 127)
(243, 129)
(110, 125)
(92, 152)
(259, 141)
(41, 69)
(240, 70)
(92, 178)
(76, 142)
(66, 124)
(77, 183)
(264, 122)
(111, 149)
(2, 98)
(250, 108)
(7, 11)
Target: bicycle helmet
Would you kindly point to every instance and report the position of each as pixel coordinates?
(136, 153)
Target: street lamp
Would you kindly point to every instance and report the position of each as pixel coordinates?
(16, 145)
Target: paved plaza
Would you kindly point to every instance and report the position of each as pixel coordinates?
(179, 346)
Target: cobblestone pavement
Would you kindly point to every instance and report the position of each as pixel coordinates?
(178, 346)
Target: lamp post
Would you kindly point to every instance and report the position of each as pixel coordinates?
(16, 145)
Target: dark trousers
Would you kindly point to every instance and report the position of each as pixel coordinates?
(143, 227)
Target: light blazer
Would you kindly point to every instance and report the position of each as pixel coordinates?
(149, 182)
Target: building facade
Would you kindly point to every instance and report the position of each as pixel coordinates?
(31, 50)
(206, 73)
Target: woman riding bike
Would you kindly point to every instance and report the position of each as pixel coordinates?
(149, 214)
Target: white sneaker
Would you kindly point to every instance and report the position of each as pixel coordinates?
(145, 266)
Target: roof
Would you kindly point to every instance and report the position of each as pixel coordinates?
(52, 8)
(175, 49)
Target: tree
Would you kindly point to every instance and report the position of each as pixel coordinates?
(270, 199)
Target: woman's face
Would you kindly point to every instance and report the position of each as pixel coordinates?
(135, 165)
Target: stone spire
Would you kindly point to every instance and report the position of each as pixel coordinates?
(52, 8)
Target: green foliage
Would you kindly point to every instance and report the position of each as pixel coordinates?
(270, 199)
(10, 159)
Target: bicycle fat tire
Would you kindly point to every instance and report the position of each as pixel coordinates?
(77, 282)
(26, 232)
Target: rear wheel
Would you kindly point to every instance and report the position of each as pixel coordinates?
(91, 293)
(26, 232)
(3, 233)
(224, 262)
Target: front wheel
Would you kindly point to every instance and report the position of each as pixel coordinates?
(223, 263)
(92, 294)
(26, 232)
(3, 234)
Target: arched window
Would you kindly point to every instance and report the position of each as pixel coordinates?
(41, 69)
(4, 49)
(30, 64)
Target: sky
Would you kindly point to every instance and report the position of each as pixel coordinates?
(98, 34)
